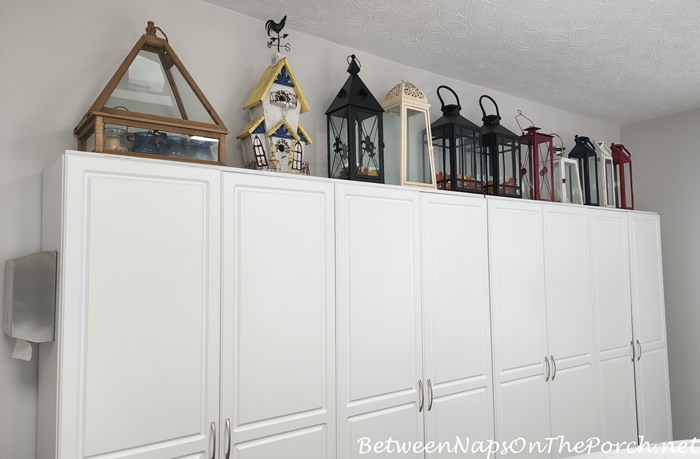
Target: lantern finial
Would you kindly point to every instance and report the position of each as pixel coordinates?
(354, 65)
(489, 120)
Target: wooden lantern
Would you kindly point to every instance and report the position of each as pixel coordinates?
(153, 108)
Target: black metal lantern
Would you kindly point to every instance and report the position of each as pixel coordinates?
(584, 152)
(355, 131)
(502, 150)
(459, 162)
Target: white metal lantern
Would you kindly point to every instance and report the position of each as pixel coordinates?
(606, 173)
(407, 137)
(567, 180)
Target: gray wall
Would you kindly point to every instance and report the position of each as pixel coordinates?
(57, 56)
(666, 162)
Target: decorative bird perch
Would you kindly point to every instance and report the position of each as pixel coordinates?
(276, 27)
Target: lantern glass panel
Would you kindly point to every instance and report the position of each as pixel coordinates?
(338, 139)
(469, 166)
(508, 165)
(441, 151)
(367, 128)
(625, 172)
(572, 183)
(546, 188)
(154, 85)
(609, 182)
(593, 178)
(417, 148)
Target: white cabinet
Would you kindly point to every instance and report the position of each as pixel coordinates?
(519, 321)
(134, 372)
(379, 317)
(413, 324)
(570, 334)
(613, 324)
(649, 325)
(544, 367)
(456, 322)
(278, 318)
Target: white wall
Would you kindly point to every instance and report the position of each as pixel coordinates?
(58, 55)
(666, 161)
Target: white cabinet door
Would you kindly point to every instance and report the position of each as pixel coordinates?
(138, 333)
(456, 322)
(278, 321)
(653, 397)
(519, 321)
(379, 318)
(613, 324)
(573, 392)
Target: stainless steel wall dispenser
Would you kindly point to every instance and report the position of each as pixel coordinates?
(30, 297)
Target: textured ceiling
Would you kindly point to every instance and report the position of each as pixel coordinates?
(615, 60)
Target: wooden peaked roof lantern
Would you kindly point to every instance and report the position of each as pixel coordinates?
(152, 107)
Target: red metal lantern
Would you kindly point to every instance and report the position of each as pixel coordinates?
(622, 162)
(537, 165)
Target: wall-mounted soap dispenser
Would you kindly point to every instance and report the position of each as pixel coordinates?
(30, 297)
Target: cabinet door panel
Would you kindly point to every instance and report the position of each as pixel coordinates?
(517, 285)
(618, 404)
(574, 406)
(648, 311)
(611, 281)
(465, 415)
(140, 309)
(384, 433)
(652, 396)
(567, 279)
(278, 319)
(456, 322)
(613, 324)
(523, 413)
(516, 257)
(309, 443)
(378, 285)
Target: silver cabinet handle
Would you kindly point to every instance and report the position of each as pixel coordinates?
(213, 436)
(554, 364)
(634, 351)
(546, 361)
(430, 394)
(639, 355)
(420, 395)
(228, 438)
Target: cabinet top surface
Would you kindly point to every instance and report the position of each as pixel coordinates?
(238, 170)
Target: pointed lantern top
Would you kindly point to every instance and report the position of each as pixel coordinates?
(354, 92)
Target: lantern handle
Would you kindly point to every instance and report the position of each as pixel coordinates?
(442, 103)
(351, 58)
(561, 141)
(483, 112)
(520, 114)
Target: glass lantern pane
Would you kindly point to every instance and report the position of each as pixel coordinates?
(627, 174)
(609, 182)
(559, 181)
(367, 145)
(572, 183)
(593, 180)
(441, 151)
(154, 85)
(469, 165)
(545, 171)
(508, 169)
(417, 161)
(392, 145)
(338, 140)
(162, 143)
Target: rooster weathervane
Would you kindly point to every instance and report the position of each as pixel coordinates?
(276, 27)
